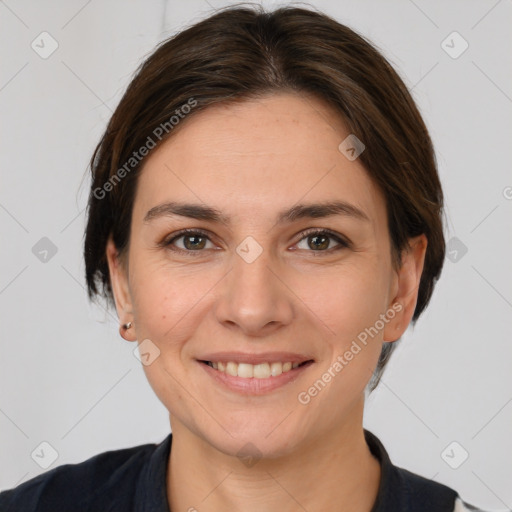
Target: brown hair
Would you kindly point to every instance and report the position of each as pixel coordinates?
(240, 53)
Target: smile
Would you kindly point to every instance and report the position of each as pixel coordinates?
(256, 371)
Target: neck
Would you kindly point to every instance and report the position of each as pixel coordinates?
(336, 468)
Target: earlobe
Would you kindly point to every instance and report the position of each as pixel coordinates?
(406, 287)
(126, 333)
(121, 291)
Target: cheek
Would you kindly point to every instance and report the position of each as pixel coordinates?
(348, 299)
(351, 306)
(167, 301)
(168, 306)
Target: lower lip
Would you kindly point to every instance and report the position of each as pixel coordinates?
(253, 386)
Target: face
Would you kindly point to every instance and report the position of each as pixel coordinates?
(255, 317)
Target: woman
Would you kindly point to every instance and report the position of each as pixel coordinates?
(265, 213)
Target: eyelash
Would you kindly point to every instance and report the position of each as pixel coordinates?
(343, 243)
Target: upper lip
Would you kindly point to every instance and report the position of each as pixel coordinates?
(264, 357)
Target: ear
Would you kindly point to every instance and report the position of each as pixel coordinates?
(121, 290)
(405, 288)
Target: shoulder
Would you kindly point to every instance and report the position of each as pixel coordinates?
(418, 489)
(462, 506)
(78, 486)
(434, 495)
(401, 489)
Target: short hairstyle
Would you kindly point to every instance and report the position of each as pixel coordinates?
(242, 53)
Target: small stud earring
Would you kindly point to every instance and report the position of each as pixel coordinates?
(127, 326)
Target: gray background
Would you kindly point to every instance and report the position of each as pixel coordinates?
(68, 379)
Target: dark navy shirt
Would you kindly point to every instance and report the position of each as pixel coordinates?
(134, 479)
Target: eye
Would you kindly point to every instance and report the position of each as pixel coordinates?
(314, 240)
(320, 241)
(189, 240)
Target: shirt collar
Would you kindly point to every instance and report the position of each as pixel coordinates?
(389, 495)
(151, 493)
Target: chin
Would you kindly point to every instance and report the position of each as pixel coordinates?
(254, 439)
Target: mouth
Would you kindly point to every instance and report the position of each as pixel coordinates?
(254, 374)
(263, 370)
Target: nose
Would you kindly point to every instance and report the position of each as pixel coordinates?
(254, 298)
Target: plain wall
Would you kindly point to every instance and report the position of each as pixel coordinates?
(66, 376)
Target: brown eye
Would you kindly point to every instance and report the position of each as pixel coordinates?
(320, 241)
(189, 241)
(193, 242)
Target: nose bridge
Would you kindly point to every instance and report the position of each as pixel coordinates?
(253, 297)
(252, 276)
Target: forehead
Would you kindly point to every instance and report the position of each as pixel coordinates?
(257, 157)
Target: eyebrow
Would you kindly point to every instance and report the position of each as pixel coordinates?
(299, 211)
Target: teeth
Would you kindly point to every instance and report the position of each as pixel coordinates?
(258, 371)
(245, 370)
(261, 371)
(232, 369)
(276, 369)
